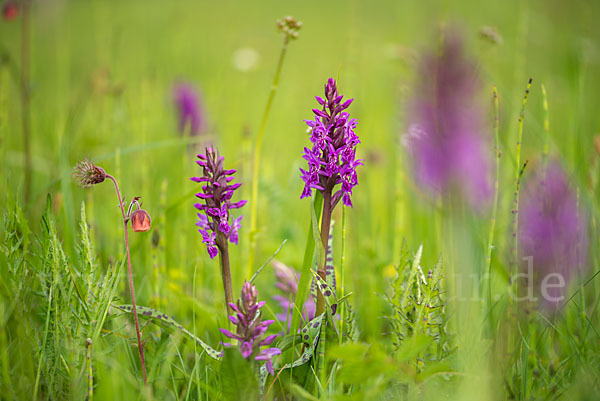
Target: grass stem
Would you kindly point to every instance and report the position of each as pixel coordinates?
(257, 154)
(496, 190)
(518, 174)
(25, 95)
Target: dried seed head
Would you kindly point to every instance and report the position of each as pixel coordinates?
(88, 174)
(490, 34)
(289, 26)
(140, 221)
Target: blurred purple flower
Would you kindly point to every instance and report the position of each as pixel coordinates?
(216, 195)
(552, 230)
(189, 109)
(250, 329)
(287, 282)
(332, 159)
(446, 136)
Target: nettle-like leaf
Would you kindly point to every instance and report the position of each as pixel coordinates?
(418, 311)
(160, 317)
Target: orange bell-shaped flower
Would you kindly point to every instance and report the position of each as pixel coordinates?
(140, 221)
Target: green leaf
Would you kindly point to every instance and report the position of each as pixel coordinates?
(301, 393)
(413, 346)
(267, 262)
(289, 341)
(310, 337)
(306, 264)
(238, 381)
(413, 271)
(160, 317)
(328, 294)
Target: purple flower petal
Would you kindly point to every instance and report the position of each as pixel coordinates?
(229, 334)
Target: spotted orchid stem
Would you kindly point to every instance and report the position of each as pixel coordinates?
(325, 227)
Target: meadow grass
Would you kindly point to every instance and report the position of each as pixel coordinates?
(101, 77)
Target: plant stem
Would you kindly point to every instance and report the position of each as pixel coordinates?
(25, 96)
(325, 226)
(135, 316)
(496, 189)
(90, 372)
(518, 174)
(225, 269)
(546, 128)
(256, 161)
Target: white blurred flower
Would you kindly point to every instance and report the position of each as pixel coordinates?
(245, 58)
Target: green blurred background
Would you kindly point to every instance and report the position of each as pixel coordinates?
(102, 74)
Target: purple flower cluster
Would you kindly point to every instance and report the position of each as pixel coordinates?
(552, 230)
(189, 109)
(250, 329)
(287, 282)
(445, 125)
(217, 191)
(332, 159)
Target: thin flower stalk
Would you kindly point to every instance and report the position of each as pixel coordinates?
(289, 26)
(496, 191)
(25, 89)
(519, 170)
(88, 174)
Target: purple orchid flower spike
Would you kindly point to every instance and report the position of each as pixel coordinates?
(445, 134)
(287, 283)
(189, 109)
(332, 161)
(553, 240)
(250, 329)
(217, 192)
(214, 207)
(332, 158)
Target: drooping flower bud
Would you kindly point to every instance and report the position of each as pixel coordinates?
(10, 10)
(140, 221)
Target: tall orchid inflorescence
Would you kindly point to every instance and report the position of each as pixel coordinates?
(250, 329)
(214, 218)
(332, 159)
(287, 283)
(189, 109)
(552, 233)
(217, 191)
(445, 133)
